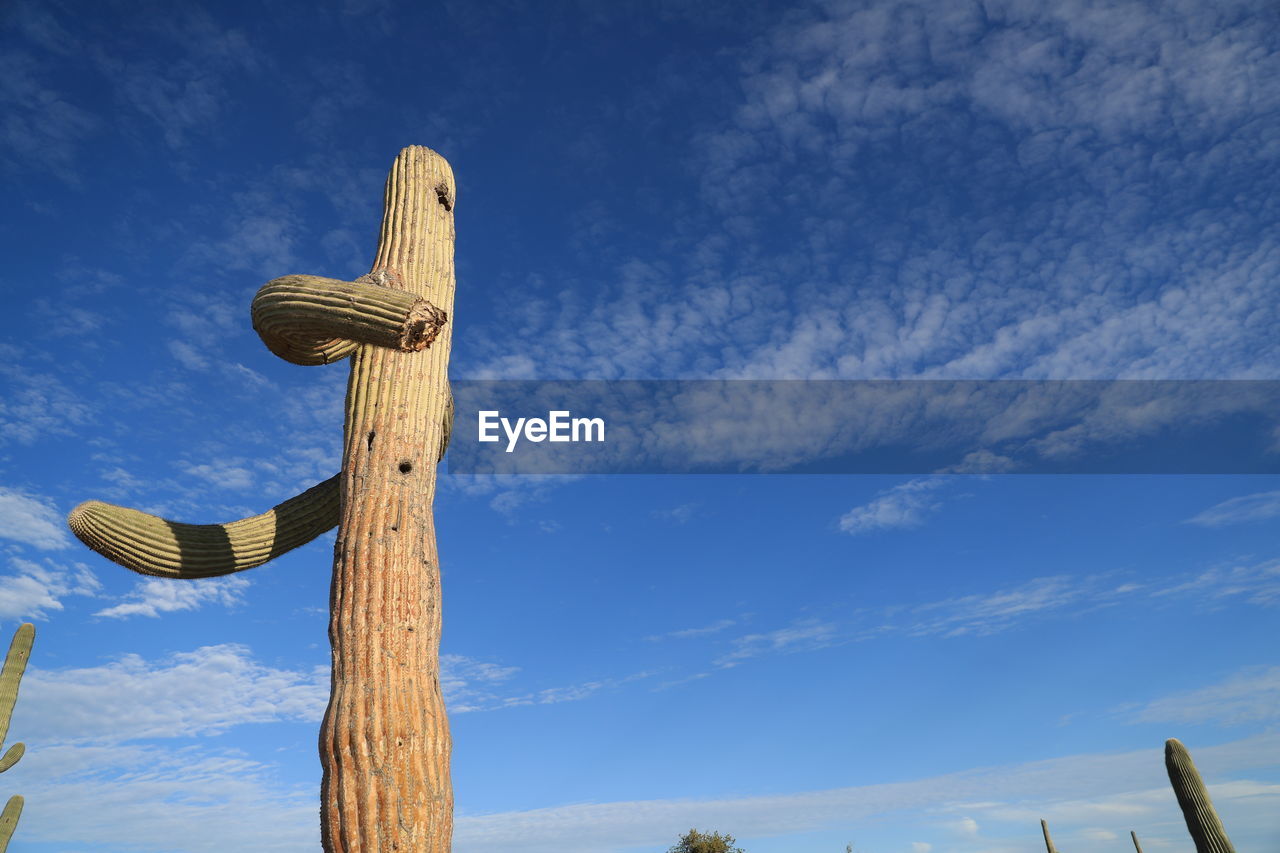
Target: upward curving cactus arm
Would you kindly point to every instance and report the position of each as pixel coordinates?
(151, 545)
(306, 319)
(15, 664)
(9, 820)
(1193, 797)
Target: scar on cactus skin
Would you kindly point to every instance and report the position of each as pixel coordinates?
(15, 665)
(1193, 798)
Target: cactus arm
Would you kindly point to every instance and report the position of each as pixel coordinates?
(1048, 842)
(155, 546)
(15, 664)
(306, 319)
(12, 756)
(1193, 798)
(9, 820)
(1136, 846)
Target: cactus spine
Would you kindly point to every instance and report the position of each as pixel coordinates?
(384, 742)
(15, 664)
(1193, 797)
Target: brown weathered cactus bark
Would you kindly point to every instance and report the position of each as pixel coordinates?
(385, 742)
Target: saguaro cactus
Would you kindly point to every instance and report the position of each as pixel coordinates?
(384, 742)
(1048, 842)
(15, 664)
(1193, 797)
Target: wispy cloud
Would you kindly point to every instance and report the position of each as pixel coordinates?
(1249, 696)
(471, 685)
(1256, 583)
(1256, 507)
(677, 514)
(990, 613)
(36, 588)
(105, 798)
(154, 596)
(38, 404)
(201, 692)
(904, 505)
(32, 520)
(805, 635)
(686, 633)
(966, 812)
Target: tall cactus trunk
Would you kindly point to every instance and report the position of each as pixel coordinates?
(1193, 797)
(385, 742)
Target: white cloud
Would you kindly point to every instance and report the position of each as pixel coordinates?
(805, 635)
(37, 405)
(32, 520)
(467, 683)
(1249, 696)
(205, 691)
(988, 613)
(1257, 583)
(905, 505)
(686, 633)
(966, 809)
(154, 596)
(223, 474)
(1255, 507)
(37, 588)
(196, 799)
(470, 685)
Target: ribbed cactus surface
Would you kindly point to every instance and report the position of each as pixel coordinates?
(9, 820)
(1193, 797)
(156, 546)
(15, 664)
(384, 741)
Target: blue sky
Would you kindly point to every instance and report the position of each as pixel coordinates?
(872, 190)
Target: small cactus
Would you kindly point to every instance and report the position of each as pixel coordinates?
(9, 820)
(14, 666)
(1048, 842)
(1193, 797)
